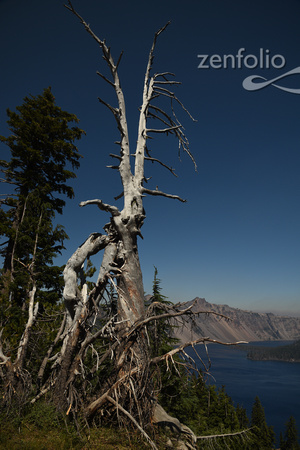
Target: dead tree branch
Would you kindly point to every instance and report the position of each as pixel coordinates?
(103, 206)
(162, 194)
(49, 352)
(120, 407)
(120, 112)
(3, 357)
(238, 433)
(93, 244)
(192, 343)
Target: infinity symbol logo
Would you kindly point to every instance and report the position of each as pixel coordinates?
(250, 85)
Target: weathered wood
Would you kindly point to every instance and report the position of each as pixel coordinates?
(129, 384)
(162, 418)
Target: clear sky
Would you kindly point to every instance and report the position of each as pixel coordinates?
(236, 241)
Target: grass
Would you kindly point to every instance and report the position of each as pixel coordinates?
(43, 429)
(30, 437)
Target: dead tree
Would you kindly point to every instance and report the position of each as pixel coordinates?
(120, 264)
(100, 358)
(129, 383)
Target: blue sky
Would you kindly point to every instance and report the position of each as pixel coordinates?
(236, 241)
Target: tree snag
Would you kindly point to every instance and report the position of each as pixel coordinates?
(100, 359)
(91, 314)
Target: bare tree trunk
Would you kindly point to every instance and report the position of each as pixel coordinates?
(18, 378)
(131, 303)
(122, 344)
(32, 306)
(23, 344)
(8, 265)
(49, 352)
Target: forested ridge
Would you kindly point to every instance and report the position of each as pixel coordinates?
(288, 353)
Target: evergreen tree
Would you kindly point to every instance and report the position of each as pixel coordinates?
(265, 436)
(290, 441)
(161, 331)
(170, 378)
(242, 417)
(42, 154)
(281, 441)
(43, 150)
(185, 395)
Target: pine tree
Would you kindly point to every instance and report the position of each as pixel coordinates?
(161, 331)
(242, 417)
(42, 146)
(184, 394)
(42, 152)
(162, 340)
(290, 441)
(265, 436)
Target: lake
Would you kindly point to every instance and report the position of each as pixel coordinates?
(277, 384)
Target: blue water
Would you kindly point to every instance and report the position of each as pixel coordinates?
(277, 384)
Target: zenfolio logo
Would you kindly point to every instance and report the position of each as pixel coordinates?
(264, 60)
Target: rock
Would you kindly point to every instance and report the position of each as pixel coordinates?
(241, 326)
(162, 418)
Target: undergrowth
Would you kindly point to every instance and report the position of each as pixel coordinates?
(42, 428)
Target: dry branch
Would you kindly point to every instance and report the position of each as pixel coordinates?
(203, 340)
(103, 206)
(162, 194)
(50, 349)
(213, 436)
(93, 244)
(120, 407)
(3, 357)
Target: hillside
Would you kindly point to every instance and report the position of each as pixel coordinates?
(242, 325)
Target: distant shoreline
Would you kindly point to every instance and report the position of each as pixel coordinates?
(283, 353)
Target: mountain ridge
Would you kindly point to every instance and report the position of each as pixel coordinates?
(240, 325)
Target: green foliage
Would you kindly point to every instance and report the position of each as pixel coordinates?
(264, 433)
(42, 152)
(42, 427)
(242, 417)
(157, 296)
(32, 438)
(205, 409)
(289, 352)
(208, 411)
(43, 415)
(160, 332)
(41, 145)
(186, 396)
(290, 440)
